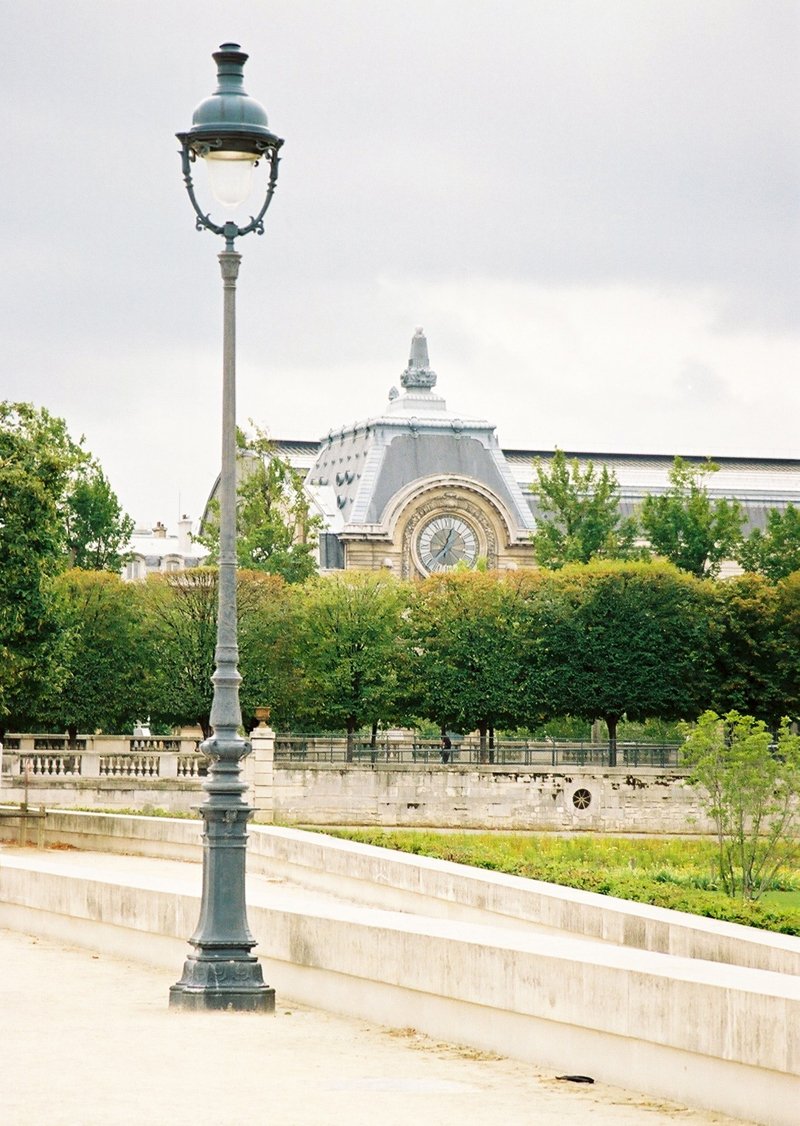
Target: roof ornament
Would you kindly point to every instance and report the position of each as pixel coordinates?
(418, 374)
(393, 393)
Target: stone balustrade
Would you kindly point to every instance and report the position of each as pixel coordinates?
(52, 757)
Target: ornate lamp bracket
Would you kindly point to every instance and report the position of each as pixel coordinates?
(230, 230)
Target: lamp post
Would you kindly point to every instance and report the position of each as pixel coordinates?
(229, 133)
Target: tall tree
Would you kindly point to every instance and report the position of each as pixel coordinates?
(464, 630)
(578, 515)
(45, 484)
(788, 618)
(96, 527)
(37, 463)
(276, 531)
(751, 649)
(269, 653)
(539, 605)
(181, 625)
(686, 526)
(352, 651)
(775, 551)
(105, 678)
(627, 639)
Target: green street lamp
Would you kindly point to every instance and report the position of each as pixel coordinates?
(230, 135)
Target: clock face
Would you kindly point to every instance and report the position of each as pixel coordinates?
(446, 541)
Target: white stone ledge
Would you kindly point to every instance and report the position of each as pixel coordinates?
(403, 882)
(416, 883)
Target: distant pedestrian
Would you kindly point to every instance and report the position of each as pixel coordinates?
(446, 747)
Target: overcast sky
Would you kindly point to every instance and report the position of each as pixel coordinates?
(592, 207)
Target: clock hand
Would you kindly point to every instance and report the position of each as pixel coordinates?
(446, 546)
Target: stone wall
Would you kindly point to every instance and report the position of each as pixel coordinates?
(104, 793)
(622, 799)
(615, 799)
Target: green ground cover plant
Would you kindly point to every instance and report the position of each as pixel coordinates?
(677, 873)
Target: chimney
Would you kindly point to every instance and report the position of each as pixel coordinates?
(160, 532)
(185, 535)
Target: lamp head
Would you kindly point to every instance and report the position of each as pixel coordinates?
(230, 130)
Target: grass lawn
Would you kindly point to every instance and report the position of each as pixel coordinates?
(665, 871)
(785, 900)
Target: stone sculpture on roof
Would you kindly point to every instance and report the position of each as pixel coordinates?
(418, 373)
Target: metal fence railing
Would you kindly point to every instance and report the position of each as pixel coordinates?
(309, 749)
(169, 757)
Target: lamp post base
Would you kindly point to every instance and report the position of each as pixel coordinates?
(211, 984)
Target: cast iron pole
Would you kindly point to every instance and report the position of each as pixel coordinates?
(222, 973)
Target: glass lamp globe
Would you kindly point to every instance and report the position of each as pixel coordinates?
(230, 176)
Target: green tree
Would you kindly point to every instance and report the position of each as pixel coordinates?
(276, 531)
(751, 792)
(788, 625)
(351, 651)
(626, 639)
(775, 551)
(578, 515)
(750, 649)
(268, 650)
(105, 676)
(41, 468)
(465, 640)
(97, 529)
(541, 610)
(37, 461)
(181, 625)
(687, 527)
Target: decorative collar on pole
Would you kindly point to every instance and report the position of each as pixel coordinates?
(418, 374)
